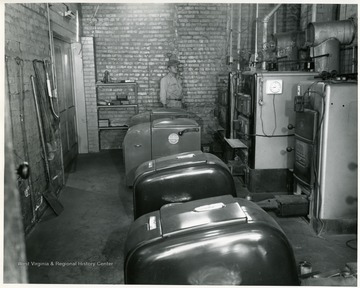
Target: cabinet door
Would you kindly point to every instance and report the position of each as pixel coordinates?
(64, 77)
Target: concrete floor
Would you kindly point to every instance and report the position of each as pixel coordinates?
(84, 245)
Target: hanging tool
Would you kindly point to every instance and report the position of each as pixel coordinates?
(50, 198)
(49, 123)
(20, 63)
(42, 138)
(51, 97)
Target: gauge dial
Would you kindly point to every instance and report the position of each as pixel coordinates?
(274, 87)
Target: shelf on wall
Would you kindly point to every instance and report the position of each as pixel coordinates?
(117, 106)
(116, 84)
(113, 86)
(114, 128)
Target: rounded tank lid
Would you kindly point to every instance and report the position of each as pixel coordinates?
(169, 111)
(169, 122)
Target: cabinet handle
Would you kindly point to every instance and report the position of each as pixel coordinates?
(209, 207)
(180, 133)
(137, 145)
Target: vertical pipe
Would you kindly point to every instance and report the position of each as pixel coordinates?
(232, 107)
(353, 60)
(228, 109)
(52, 56)
(239, 40)
(77, 26)
(275, 24)
(256, 32)
(231, 33)
(265, 27)
(324, 147)
(265, 21)
(313, 13)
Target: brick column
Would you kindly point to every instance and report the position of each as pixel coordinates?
(90, 92)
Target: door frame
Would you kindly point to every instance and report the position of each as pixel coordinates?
(79, 92)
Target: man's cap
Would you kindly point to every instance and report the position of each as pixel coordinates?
(173, 63)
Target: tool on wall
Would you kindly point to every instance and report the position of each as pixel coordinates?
(52, 57)
(228, 129)
(23, 170)
(50, 125)
(20, 63)
(50, 198)
(49, 89)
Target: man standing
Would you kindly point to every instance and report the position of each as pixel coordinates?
(171, 87)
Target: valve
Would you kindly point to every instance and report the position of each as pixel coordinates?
(289, 149)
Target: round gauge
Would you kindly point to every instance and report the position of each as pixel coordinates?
(275, 87)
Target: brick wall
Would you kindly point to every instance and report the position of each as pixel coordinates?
(201, 32)
(349, 54)
(131, 43)
(27, 39)
(324, 12)
(288, 18)
(134, 41)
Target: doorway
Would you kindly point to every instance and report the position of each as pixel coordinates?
(66, 100)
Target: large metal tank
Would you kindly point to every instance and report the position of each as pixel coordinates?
(136, 149)
(158, 138)
(214, 241)
(287, 48)
(181, 177)
(327, 56)
(318, 32)
(326, 38)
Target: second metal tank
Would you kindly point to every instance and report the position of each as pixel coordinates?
(162, 137)
(180, 178)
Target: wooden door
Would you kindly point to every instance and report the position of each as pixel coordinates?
(66, 101)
